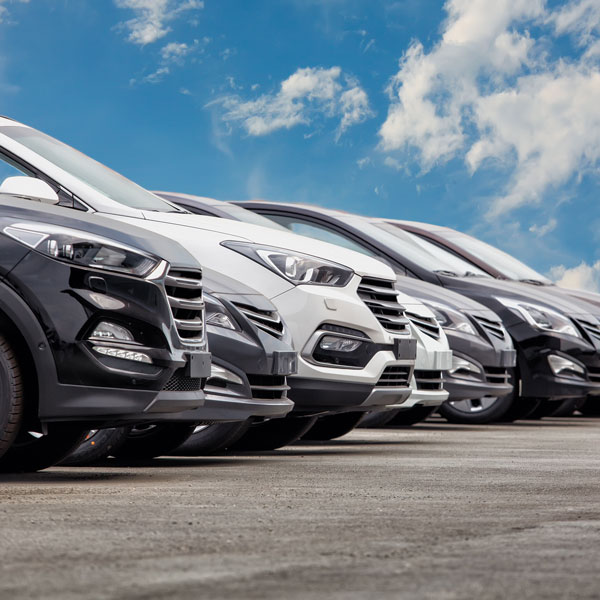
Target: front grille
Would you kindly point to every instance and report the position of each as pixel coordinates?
(395, 376)
(497, 374)
(594, 374)
(427, 325)
(592, 330)
(184, 290)
(494, 328)
(267, 320)
(181, 383)
(268, 387)
(429, 380)
(382, 299)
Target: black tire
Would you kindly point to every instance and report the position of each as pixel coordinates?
(273, 434)
(477, 412)
(411, 416)
(97, 445)
(590, 407)
(149, 441)
(11, 396)
(377, 419)
(545, 408)
(520, 409)
(330, 427)
(209, 439)
(566, 408)
(33, 452)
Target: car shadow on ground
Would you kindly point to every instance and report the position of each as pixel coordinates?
(63, 475)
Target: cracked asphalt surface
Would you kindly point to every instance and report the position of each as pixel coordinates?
(435, 511)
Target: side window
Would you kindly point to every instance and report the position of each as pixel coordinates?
(9, 168)
(320, 232)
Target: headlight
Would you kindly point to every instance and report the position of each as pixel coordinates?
(452, 319)
(541, 317)
(85, 249)
(296, 267)
(217, 314)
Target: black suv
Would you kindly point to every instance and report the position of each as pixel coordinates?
(96, 330)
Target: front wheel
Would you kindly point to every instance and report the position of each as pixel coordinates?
(478, 411)
(11, 395)
(208, 439)
(590, 407)
(273, 434)
(97, 445)
(33, 451)
(149, 441)
(330, 427)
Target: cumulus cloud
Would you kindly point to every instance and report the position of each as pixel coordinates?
(581, 277)
(301, 97)
(152, 17)
(489, 93)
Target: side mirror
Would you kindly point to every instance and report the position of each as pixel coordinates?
(29, 187)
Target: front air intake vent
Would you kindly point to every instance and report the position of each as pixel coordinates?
(267, 320)
(494, 328)
(427, 325)
(382, 299)
(181, 383)
(184, 291)
(268, 387)
(497, 375)
(429, 380)
(395, 376)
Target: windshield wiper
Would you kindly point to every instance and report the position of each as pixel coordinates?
(444, 272)
(471, 274)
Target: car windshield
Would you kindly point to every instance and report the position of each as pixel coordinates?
(240, 213)
(508, 265)
(426, 255)
(86, 169)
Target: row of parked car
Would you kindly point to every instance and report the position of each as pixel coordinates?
(137, 324)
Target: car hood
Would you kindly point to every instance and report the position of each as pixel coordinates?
(21, 210)
(362, 265)
(426, 291)
(488, 287)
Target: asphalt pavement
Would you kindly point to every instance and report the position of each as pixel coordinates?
(435, 511)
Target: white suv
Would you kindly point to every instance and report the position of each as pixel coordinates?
(325, 294)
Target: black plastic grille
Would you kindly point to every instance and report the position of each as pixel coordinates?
(429, 380)
(492, 327)
(382, 299)
(267, 320)
(497, 374)
(181, 383)
(184, 290)
(395, 376)
(268, 387)
(594, 374)
(427, 325)
(592, 330)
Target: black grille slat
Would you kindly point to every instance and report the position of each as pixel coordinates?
(427, 325)
(184, 292)
(268, 387)
(395, 376)
(429, 380)
(592, 330)
(493, 327)
(497, 374)
(266, 320)
(594, 374)
(381, 298)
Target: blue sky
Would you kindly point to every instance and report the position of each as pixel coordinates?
(482, 116)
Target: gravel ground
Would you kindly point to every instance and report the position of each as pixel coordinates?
(436, 511)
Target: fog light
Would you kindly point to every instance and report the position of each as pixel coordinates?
(564, 366)
(335, 344)
(220, 320)
(217, 372)
(111, 331)
(125, 354)
(462, 365)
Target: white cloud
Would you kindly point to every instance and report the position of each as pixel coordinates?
(302, 96)
(152, 17)
(541, 230)
(581, 277)
(489, 93)
(4, 11)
